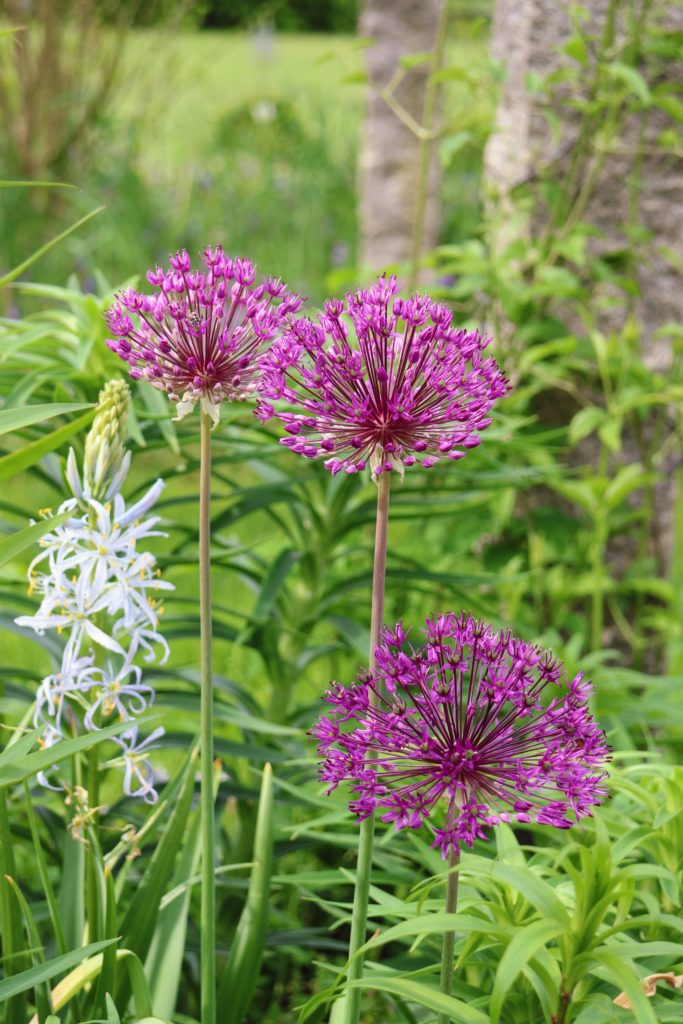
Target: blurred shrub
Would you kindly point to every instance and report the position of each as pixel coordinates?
(286, 15)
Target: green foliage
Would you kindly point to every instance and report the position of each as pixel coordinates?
(99, 920)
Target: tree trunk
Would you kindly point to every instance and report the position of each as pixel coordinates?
(391, 153)
(526, 37)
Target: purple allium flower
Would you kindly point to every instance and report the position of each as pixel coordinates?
(410, 388)
(475, 719)
(199, 337)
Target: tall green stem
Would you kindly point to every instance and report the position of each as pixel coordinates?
(449, 937)
(92, 899)
(367, 828)
(208, 895)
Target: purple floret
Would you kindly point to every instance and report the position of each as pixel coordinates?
(477, 721)
(408, 388)
(200, 336)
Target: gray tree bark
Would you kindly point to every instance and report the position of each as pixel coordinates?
(639, 184)
(526, 37)
(390, 158)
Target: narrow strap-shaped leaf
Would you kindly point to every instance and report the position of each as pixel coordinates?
(524, 944)
(10, 925)
(26, 538)
(242, 968)
(25, 416)
(29, 454)
(88, 969)
(164, 961)
(18, 271)
(138, 924)
(107, 979)
(17, 765)
(27, 980)
(43, 1001)
(48, 888)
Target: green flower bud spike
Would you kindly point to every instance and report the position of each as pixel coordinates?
(106, 461)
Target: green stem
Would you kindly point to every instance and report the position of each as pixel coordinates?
(367, 828)
(598, 594)
(208, 891)
(449, 937)
(93, 902)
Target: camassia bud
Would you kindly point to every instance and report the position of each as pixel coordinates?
(106, 462)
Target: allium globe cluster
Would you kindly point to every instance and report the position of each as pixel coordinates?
(409, 387)
(475, 720)
(200, 336)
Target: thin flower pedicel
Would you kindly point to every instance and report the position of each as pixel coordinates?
(475, 720)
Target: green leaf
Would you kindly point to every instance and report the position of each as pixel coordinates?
(621, 975)
(16, 764)
(16, 419)
(32, 184)
(22, 539)
(424, 995)
(631, 78)
(27, 980)
(163, 965)
(18, 271)
(436, 924)
(13, 949)
(241, 972)
(625, 481)
(524, 945)
(48, 889)
(585, 422)
(42, 991)
(541, 895)
(576, 49)
(610, 433)
(273, 583)
(139, 922)
(15, 462)
(414, 60)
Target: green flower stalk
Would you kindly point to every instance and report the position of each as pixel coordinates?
(199, 339)
(381, 384)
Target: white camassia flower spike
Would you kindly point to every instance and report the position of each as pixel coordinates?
(102, 593)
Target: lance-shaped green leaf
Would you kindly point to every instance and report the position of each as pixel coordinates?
(27, 980)
(139, 923)
(525, 943)
(17, 764)
(242, 968)
(16, 462)
(26, 416)
(12, 275)
(22, 539)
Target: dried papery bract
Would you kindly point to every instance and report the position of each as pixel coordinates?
(403, 388)
(200, 338)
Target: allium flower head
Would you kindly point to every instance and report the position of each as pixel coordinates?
(476, 721)
(408, 388)
(198, 337)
